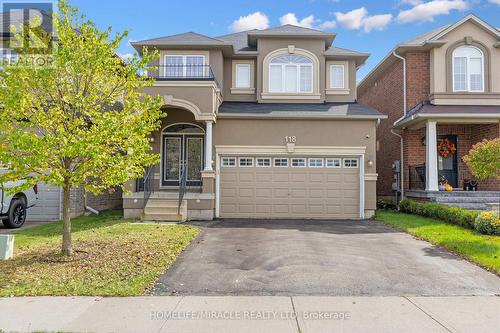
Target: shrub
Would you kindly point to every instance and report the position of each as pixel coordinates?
(488, 223)
(449, 214)
(386, 204)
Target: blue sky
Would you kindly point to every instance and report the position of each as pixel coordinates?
(369, 26)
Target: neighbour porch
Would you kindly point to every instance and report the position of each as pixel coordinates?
(436, 138)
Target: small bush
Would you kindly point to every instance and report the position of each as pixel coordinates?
(386, 204)
(488, 223)
(450, 214)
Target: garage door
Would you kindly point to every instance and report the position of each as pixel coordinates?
(286, 187)
(47, 206)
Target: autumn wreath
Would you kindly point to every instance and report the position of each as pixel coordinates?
(446, 148)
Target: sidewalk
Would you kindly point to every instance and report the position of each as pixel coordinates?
(251, 314)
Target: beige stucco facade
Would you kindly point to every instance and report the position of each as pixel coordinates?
(323, 136)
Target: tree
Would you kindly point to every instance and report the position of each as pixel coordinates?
(483, 159)
(81, 121)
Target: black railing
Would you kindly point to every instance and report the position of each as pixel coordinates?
(416, 179)
(181, 72)
(182, 187)
(148, 183)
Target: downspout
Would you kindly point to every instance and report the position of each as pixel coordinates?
(401, 167)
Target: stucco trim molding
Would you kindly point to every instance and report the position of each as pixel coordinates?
(299, 150)
(169, 100)
(467, 41)
(315, 94)
(371, 176)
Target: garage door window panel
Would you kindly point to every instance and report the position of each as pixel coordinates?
(315, 162)
(281, 162)
(246, 162)
(333, 163)
(298, 163)
(263, 162)
(350, 163)
(229, 162)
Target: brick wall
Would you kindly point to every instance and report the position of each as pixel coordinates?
(108, 200)
(385, 94)
(467, 135)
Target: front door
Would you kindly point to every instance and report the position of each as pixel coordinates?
(447, 159)
(182, 150)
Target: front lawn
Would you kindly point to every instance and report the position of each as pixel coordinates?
(114, 257)
(481, 249)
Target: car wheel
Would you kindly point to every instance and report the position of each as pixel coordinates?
(17, 214)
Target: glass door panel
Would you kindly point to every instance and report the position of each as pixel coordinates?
(194, 158)
(172, 160)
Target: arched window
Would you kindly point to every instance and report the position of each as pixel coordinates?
(290, 74)
(468, 69)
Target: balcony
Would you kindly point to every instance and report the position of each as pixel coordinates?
(181, 73)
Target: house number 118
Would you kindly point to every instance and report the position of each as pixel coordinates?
(290, 139)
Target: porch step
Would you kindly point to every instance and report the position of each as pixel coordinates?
(463, 199)
(161, 209)
(474, 200)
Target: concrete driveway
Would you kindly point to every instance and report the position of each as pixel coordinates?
(346, 258)
(27, 224)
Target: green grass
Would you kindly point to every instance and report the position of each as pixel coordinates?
(481, 249)
(113, 257)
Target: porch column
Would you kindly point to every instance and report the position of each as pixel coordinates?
(208, 146)
(431, 168)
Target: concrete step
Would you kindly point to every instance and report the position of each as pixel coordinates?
(471, 206)
(162, 210)
(469, 194)
(164, 203)
(464, 199)
(164, 217)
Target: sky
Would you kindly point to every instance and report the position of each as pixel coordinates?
(368, 26)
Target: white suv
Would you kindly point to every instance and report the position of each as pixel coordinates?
(13, 206)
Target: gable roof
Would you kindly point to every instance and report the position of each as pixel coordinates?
(334, 52)
(239, 40)
(186, 38)
(290, 30)
(427, 41)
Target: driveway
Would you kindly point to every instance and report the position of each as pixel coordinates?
(346, 258)
(27, 224)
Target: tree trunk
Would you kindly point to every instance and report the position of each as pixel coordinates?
(67, 246)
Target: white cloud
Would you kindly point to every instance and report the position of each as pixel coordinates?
(496, 2)
(376, 22)
(428, 10)
(411, 2)
(291, 18)
(255, 20)
(359, 19)
(306, 22)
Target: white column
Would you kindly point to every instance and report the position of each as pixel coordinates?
(208, 146)
(431, 167)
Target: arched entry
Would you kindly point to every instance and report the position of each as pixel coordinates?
(182, 146)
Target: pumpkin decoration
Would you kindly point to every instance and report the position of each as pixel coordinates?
(446, 148)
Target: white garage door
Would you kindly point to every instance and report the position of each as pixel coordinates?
(48, 205)
(286, 187)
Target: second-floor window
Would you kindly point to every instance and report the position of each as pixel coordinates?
(337, 74)
(242, 76)
(290, 74)
(468, 69)
(184, 66)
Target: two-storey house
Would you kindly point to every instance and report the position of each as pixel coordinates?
(441, 92)
(260, 124)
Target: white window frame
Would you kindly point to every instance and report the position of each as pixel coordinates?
(246, 160)
(261, 159)
(281, 159)
(225, 162)
(467, 70)
(283, 82)
(350, 163)
(311, 160)
(333, 166)
(332, 86)
(303, 160)
(184, 62)
(249, 69)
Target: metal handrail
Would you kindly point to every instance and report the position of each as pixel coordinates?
(148, 183)
(416, 177)
(176, 72)
(182, 187)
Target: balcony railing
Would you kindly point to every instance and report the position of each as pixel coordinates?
(181, 72)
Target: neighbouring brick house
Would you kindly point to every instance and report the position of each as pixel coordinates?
(452, 101)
